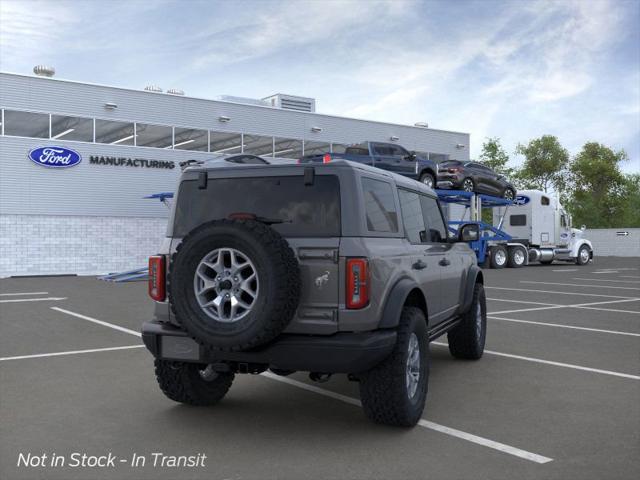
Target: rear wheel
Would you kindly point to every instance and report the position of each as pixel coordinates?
(468, 185)
(428, 180)
(192, 383)
(499, 256)
(509, 194)
(394, 392)
(467, 339)
(517, 257)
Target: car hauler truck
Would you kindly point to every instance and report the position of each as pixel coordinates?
(532, 228)
(538, 221)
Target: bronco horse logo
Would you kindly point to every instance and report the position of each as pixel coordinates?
(322, 279)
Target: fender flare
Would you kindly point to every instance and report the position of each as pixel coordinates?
(430, 171)
(473, 276)
(395, 300)
(580, 243)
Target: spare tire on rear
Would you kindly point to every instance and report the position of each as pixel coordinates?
(234, 284)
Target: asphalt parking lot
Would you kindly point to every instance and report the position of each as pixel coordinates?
(556, 395)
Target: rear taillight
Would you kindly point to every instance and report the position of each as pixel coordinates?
(326, 158)
(357, 283)
(453, 170)
(157, 278)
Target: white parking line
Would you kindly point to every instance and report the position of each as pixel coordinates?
(23, 293)
(614, 332)
(99, 322)
(48, 299)
(533, 457)
(71, 352)
(629, 276)
(606, 280)
(567, 270)
(522, 301)
(580, 285)
(576, 305)
(555, 364)
(556, 292)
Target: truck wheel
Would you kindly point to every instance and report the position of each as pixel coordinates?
(394, 392)
(517, 257)
(192, 383)
(467, 339)
(498, 256)
(234, 284)
(428, 180)
(583, 255)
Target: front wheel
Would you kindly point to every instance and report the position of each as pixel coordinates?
(192, 383)
(468, 185)
(428, 180)
(394, 392)
(509, 194)
(467, 339)
(584, 255)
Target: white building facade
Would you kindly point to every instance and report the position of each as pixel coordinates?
(77, 159)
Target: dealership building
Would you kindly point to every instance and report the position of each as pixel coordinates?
(77, 160)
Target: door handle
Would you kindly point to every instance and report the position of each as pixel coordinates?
(444, 262)
(419, 265)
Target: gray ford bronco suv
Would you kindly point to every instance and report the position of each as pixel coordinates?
(331, 268)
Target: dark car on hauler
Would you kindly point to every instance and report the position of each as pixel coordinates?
(474, 177)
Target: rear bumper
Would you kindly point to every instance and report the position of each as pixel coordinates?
(338, 353)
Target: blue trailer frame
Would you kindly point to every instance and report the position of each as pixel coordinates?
(488, 233)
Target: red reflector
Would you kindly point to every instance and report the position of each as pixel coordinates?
(357, 283)
(453, 170)
(241, 216)
(157, 278)
(326, 158)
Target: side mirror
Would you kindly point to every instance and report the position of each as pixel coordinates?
(469, 232)
(583, 228)
(411, 156)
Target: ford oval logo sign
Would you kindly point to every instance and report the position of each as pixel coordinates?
(55, 157)
(521, 200)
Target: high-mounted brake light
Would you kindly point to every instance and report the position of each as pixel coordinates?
(157, 278)
(357, 283)
(326, 158)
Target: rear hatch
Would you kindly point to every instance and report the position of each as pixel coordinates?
(307, 214)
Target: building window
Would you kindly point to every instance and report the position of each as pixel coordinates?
(380, 206)
(225, 143)
(258, 145)
(26, 124)
(114, 133)
(316, 148)
(191, 139)
(287, 148)
(157, 136)
(71, 128)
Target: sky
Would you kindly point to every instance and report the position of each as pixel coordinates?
(510, 69)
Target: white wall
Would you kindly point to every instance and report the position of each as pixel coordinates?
(607, 242)
(49, 245)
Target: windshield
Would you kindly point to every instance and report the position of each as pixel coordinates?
(292, 208)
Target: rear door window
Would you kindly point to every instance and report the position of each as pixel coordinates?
(380, 207)
(412, 217)
(297, 210)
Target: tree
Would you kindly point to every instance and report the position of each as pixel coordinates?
(599, 194)
(495, 157)
(545, 164)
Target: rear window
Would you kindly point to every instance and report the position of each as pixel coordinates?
(305, 210)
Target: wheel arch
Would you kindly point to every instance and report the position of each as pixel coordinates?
(474, 276)
(428, 170)
(404, 293)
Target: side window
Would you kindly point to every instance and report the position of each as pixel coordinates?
(398, 151)
(412, 216)
(563, 220)
(379, 206)
(436, 230)
(544, 201)
(518, 220)
(381, 149)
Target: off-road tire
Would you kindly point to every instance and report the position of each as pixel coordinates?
(494, 256)
(426, 176)
(183, 383)
(511, 262)
(466, 340)
(383, 389)
(277, 269)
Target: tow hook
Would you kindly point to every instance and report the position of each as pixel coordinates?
(319, 377)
